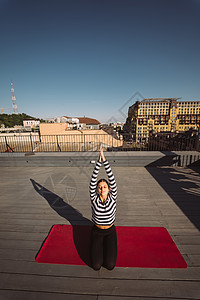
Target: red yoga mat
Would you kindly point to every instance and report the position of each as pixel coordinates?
(141, 247)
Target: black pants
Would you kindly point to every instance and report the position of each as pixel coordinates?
(103, 249)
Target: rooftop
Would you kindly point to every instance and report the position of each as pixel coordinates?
(159, 99)
(165, 196)
(86, 120)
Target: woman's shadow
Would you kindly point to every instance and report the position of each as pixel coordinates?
(81, 225)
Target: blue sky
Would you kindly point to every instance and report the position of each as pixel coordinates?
(96, 58)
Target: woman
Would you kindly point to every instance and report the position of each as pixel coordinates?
(103, 195)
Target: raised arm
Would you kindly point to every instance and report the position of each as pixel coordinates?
(111, 179)
(93, 181)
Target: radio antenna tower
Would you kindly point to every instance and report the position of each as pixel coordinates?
(14, 103)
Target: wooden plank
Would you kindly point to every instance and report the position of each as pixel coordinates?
(22, 295)
(18, 254)
(178, 212)
(85, 213)
(101, 286)
(44, 216)
(137, 219)
(187, 240)
(189, 249)
(34, 211)
(21, 244)
(42, 204)
(24, 228)
(183, 231)
(121, 220)
(179, 219)
(136, 216)
(129, 221)
(34, 222)
(194, 259)
(31, 267)
(27, 236)
(137, 298)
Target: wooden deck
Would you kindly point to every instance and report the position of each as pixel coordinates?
(162, 196)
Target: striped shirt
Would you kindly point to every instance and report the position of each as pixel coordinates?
(103, 213)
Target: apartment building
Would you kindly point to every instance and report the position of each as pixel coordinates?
(161, 115)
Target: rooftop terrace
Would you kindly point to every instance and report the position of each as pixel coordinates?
(148, 195)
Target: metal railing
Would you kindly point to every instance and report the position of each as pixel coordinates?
(34, 142)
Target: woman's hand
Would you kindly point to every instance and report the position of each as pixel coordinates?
(101, 156)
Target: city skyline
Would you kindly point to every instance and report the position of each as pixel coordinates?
(96, 58)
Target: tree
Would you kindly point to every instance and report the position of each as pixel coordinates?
(15, 119)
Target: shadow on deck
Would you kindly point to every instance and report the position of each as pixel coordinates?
(180, 186)
(81, 234)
